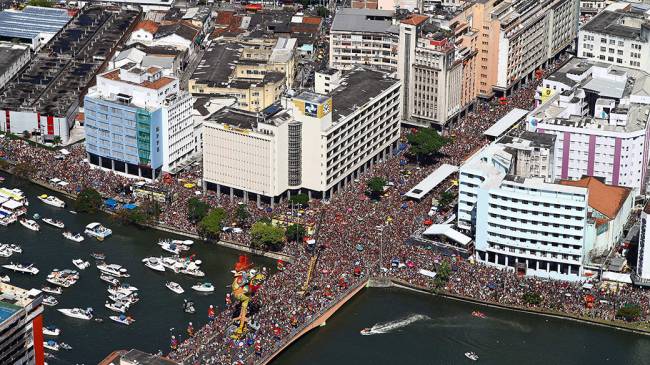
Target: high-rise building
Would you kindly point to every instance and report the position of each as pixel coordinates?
(619, 35)
(513, 39)
(138, 122)
(21, 326)
(599, 113)
(312, 143)
(641, 275)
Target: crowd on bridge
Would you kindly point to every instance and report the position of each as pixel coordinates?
(359, 237)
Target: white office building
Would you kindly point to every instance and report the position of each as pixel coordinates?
(599, 114)
(311, 143)
(641, 275)
(619, 35)
(138, 122)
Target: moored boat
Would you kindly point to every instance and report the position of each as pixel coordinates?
(52, 290)
(54, 222)
(113, 270)
(98, 231)
(23, 268)
(81, 264)
(120, 307)
(5, 279)
(123, 319)
(50, 301)
(51, 331)
(98, 256)
(77, 237)
(109, 279)
(154, 264)
(52, 200)
(175, 287)
(30, 224)
(51, 345)
(203, 287)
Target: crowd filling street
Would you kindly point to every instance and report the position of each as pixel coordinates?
(354, 232)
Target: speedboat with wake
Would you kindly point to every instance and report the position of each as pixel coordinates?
(366, 331)
(203, 287)
(52, 290)
(50, 301)
(51, 331)
(54, 222)
(154, 264)
(175, 287)
(123, 319)
(78, 313)
(113, 270)
(52, 200)
(30, 224)
(23, 268)
(81, 264)
(77, 237)
(478, 314)
(471, 355)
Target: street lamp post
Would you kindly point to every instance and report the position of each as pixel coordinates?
(381, 246)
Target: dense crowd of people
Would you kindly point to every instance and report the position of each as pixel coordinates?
(358, 237)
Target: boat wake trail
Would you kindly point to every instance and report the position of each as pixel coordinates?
(383, 328)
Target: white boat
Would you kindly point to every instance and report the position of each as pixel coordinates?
(50, 301)
(24, 268)
(5, 252)
(193, 270)
(12, 247)
(186, 243)
(30, 224)
(113, 270)
(54, 222)
(5, 279)
(109, 279)
(51, 345)
(77, 237)
(52, 290)
(52, 200)
(172, 263)
(172, 248)
(471, 355)
(124, 298)
(175, 287)
(81, 264)
(64, 278)
(98, 231)
(153, 263)
(65, 346)
(124, 288)
(51, 331)
(119, 307)
(203, 287)
(123, 319)
(78, 313)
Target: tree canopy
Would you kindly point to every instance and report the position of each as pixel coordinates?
(210, 226)
(426, 142)
(295, 232)
(446, 199)
(629, 312)
(196, 209)
(265, 236)
(88, 201)
(376, 185)
(532, 298)
(300, 199)
(42, 3)
(443, 272)
(24, 170)
(242, 214)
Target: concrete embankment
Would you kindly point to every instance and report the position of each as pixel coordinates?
(319, 321)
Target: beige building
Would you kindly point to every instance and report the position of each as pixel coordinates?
(513, 39)
(310, 143)
(431, 70)
(255, 72)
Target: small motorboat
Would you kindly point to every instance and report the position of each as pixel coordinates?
(109, 279)
(81, 264)
(51, 345)
(78, 313)
(188, 306)
(124, 289)
(14, 248)
(30, 224)
(98, 231)
(65, 346)
(471, 355)
(203, 287)
(50, 301)
(36, 216)
(54, 222)
(366, 331)
(128, 299)
(52, 200)
(154, 264)
(98, 256)
(119, 307)
(5, 252)
(175, 287)
(123, 319)
(5, 279)
(51, 331)
(113, 270)
(52, 290)
(77, 237)
(183, 242)
(479, 314)
(24, 268)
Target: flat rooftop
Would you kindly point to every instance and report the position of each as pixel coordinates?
(358, 87)
(13, 299)
(218, 63)
(610, 22)
(364, 20)
(59, 73)
(32, 21)
(9, 54)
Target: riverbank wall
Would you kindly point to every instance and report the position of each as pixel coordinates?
(317, 322)
(618, 325)
(229, 244)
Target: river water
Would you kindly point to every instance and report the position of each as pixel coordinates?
(410, 328)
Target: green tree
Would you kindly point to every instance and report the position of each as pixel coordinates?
(295, 232)
(425, 143)
(27, 135)
(88, 201)
(266, 236)
(443, 273)
(151, 209)
(322, 12)
(24, 170)
(135, 216)
(446, 199)
(242, 214)
(532, 298)
(196, 209)
(56, 140)
(43, 3)
(300, 199)
(376, 185)
(629, 312)
(210, 226)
